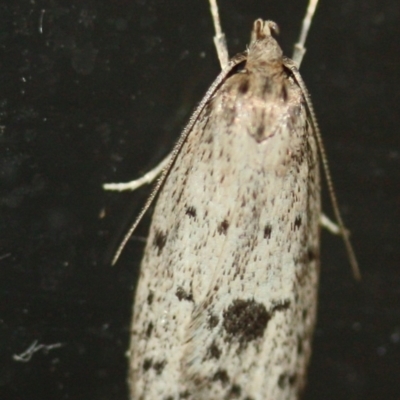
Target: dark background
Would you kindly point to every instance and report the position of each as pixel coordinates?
(97, 91)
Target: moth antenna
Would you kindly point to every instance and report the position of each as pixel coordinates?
(177, 148)
(219, 38)
(299, 47)
(325, 165)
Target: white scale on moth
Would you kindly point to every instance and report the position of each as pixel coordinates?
(226, 301)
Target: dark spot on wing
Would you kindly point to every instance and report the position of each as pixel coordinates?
(213, 321)
(191, 211)
(245, 320)
(184, 395)
(213, 351)
(222, 376)
(284, 93)
(150, 297)
(229, 116)
(159, 366)
(267, 231)
(178, 200)
(244, 86)
(147, 363)
(300, 347)
(234, 392)
(259, 133)
(286, 380)
(182, 294)
(311, 254)
(281, 305)
(160, 239)
(297, 222)
(223, 227)
(149, 329)
(268, 86)
(293, 116)
(209, 138)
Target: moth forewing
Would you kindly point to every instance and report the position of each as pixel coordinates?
(226, 302)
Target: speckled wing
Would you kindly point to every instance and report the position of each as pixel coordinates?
(226, 302)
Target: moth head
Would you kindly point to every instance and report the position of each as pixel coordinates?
(263, 29)
(263, 42)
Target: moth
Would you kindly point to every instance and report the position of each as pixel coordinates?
(225, 307)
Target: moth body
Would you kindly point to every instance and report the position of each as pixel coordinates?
(226, 301)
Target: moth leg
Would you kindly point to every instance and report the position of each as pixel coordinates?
(299, 47)
(339, 229)
(147, 178)
(330, 225)
(219, 38)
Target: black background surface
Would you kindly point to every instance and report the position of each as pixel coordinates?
(97, 91)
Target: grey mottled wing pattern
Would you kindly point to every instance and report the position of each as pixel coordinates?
(229, 279)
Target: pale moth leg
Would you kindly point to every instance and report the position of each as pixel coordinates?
(147, 178)
(329, 225)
